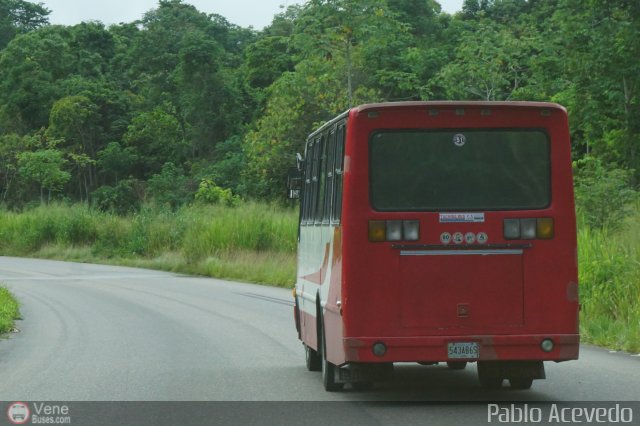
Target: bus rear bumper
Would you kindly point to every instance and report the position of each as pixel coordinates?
(490, 348)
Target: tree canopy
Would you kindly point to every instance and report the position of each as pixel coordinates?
(182, 100)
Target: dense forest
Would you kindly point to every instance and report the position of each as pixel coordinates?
(182, 105)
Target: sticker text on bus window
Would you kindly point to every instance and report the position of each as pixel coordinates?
(459, 139)
(461, 217)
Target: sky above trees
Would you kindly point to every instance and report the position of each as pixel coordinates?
(245, 13)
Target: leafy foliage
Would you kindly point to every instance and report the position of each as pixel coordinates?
(233, 105)
(170, 187)
(210, 193)
(45, 167)
(122, 199)
(19, 16)
(604, 195)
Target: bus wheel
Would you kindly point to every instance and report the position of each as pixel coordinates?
(457, 365)
(521, 382)
(329, 371)
(314, 361)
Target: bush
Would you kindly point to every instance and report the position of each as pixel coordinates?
(9, 310)
(603, 194)
(122, 199)
(171, 187)
(210, 193)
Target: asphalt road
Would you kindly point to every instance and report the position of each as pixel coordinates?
(102, 333)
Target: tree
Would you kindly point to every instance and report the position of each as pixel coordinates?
(45, 167)
(18, 16)
(349, 34)
(74, 120)
(10, 146)
(171, 187)
(31, 67)
(118, 161)
(491, 64)
(157, 138)
(601, 43)
(187, 61)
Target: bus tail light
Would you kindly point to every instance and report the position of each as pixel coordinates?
(544, 228)
(511, 229)
(528, 229)
(394, 230)
(411, 230)
(377, 231)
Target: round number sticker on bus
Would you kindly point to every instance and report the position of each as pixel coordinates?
(459, 139)
(445, 238)
(458, 238)
(470, 238)
(482, 237)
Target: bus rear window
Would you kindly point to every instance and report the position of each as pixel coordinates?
(426, 170)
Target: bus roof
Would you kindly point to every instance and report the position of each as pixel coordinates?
(453, 104)
(438, 104)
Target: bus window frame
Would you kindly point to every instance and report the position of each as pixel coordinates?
(306, 196)
(338, 193)
(322, 180)
(314, 182)
(330, 172)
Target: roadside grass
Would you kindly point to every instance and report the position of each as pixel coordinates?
(253, 242)
(609, 267)
(9, 310)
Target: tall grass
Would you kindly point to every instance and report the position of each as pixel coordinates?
(610, 285)
(8, 310)
(253, 242)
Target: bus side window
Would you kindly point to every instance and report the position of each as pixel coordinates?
(313, 196)
(322, 178)
(338, 174)
(306, 199)
(331, 147)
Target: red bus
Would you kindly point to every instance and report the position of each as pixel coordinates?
(438, 232)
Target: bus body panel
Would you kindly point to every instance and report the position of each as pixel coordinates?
(417, 297)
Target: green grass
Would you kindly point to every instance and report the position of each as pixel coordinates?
(610, 285)
(8, 310)
(253, 242)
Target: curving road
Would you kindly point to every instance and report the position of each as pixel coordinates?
(93, 332)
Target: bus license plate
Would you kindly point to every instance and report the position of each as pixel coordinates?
(467, 350)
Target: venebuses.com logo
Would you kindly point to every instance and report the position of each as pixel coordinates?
(18, 413)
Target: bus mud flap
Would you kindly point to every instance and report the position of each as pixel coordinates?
(360, 372)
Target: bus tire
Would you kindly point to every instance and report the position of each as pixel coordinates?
(313, 359)
(329, 370)
(521, 382)
(457, 365)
